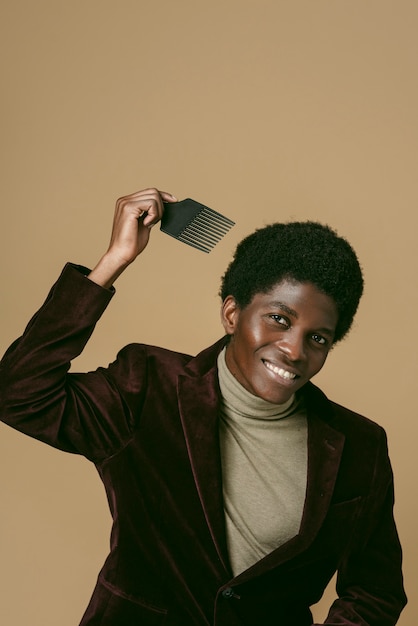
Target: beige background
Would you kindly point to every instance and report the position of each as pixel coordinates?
(264, 110)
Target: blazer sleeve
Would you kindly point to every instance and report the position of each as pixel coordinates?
(369, 580)
(80, 413)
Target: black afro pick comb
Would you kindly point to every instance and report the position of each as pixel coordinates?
(194, 224)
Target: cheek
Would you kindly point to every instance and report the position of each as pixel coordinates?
(242, 349)
(250, 336)
(318, 362)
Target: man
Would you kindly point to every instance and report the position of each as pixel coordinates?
(237, 489)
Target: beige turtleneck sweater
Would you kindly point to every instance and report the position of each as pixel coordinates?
(264, 467)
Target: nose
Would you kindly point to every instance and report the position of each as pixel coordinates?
(292, 345)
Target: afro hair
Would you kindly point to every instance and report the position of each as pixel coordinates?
(305, 252)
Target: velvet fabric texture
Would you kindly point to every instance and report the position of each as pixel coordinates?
(149, 422)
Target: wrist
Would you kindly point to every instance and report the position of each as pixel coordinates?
(107, 270)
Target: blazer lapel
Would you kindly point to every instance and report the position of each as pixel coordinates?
(325, 446)
(199, 399)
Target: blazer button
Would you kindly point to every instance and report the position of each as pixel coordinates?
(228, 593)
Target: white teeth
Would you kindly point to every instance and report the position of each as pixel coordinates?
(281, 372)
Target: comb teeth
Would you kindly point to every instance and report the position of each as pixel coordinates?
(206, 229)
(195, 224)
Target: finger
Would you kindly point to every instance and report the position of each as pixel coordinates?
(146, 204)
(153, 191)
(152, 218)
(152, 200)
(149, 194)
(152, 209)
(168, 197)
(141, 202)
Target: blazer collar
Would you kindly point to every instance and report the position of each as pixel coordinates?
(199, 402)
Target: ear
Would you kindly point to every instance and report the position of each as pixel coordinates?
(229, 314)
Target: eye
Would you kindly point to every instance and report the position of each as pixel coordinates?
(319, 339)
(279, 319)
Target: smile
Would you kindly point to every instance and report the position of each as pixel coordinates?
(279, 371)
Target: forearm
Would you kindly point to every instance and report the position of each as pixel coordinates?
(33, 370)
(107, 271)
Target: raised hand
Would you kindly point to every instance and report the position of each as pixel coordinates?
(134, 217)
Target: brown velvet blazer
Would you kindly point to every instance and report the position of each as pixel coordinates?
(149, 422)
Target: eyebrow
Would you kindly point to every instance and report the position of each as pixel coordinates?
(281, 305)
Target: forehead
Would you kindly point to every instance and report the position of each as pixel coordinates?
(300, 300)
